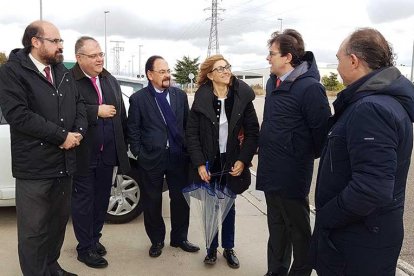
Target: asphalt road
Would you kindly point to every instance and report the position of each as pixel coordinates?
(407, 251)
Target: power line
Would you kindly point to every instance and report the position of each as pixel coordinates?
(117, 49)
(213, 42)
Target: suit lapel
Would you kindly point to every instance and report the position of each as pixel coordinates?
(173, 100)
(154, 104)
(107, 95)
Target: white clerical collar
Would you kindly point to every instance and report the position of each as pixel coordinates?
(158, 91)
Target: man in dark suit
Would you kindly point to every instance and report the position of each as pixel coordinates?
(47, 120)
(156, 124)
(103, 148)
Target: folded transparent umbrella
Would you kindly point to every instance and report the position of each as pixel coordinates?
(211, 202)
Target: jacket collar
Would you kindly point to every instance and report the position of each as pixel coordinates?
(205, 95)
(352, 93)
(22, 57)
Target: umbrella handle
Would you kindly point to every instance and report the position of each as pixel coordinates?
(207, 167)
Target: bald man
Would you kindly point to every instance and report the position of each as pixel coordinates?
(47, 118)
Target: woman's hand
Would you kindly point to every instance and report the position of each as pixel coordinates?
(237, 169)
(204, 175)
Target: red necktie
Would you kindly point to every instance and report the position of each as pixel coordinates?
(48, 75)
(278, 82)
(93, 80)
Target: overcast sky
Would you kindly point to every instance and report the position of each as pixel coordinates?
(179, 28)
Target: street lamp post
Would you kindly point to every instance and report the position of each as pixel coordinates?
(139, 60)
(280, 19)
(412, 65)
(106, 53)
(132, 65)
(41, 11)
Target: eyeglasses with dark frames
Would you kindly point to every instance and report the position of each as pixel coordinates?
(162, 72)
(221, 69)
(93, 56)
(52, 40)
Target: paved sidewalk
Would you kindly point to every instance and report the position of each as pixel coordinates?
(128, 246)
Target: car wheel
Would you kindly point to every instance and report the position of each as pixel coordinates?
(125, 202)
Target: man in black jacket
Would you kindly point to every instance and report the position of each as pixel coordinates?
(156, 124)
(360, 191)
(47, 121)
(294, 126)
(103, 148)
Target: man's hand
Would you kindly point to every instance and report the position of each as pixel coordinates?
(72, 140)
(106, 111)
(78, 136)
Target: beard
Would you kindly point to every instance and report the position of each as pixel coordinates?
(165, 83)
(51, 59)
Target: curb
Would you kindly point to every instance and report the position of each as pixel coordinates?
(405, 267)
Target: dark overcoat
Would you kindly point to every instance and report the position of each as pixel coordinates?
(294, 127)
(92, 142)
(203, 130)
(40, 116)
(362, 177)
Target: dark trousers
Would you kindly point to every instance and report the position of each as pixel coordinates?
(43, 208)
(227, 231)
(289, 228)
(90, 199)
(175, 169)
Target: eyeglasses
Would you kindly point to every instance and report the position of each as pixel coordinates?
(271, 53)
(221, 69)
(55, 41)
(162, 72)
(93, 56)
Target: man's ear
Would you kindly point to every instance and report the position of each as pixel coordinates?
(354, 60)
(288, 58)
(35, 42)
(149, 75)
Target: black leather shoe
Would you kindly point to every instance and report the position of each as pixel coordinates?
(186, 246)
(100, 249)
(62, 272)
(270, 273)
(211, 257)
(231, 258)
(92, 259)
(156, 249)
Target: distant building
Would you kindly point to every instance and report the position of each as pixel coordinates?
(261, 75)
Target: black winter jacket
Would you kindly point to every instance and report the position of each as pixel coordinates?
(203, 128)
(363, 169)
(113, 96)
(40, 115)
(294, 127)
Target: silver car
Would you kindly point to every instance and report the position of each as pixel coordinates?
(125, 202)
